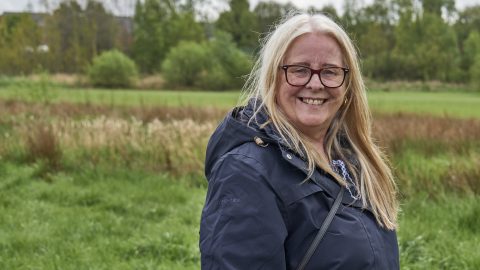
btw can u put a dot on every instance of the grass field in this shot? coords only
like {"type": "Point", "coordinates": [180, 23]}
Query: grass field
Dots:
{"type": "Point", "coordinates": [121, 97]}
{"type": "Point", "coordinates": [454, 104]}
{"type": "Point", "coordinates": [101, 183]}
{"type": "Point", "coordinates": [451, 104]}
{"type": "Point", "coordinates": [97, 219]}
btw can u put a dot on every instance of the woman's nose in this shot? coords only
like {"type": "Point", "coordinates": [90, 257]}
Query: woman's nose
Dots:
{"type": "Point", "coordinates": [315, 82]}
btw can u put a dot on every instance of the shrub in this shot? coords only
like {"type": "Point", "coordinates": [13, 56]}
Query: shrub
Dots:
{"type": "Point", "coordinates": [215, 65]}
{"type": "Point", "coordinates": [471, 47]}
{"type": "Point", "coordinates": [112, 69]}
{"type": "Point", "coordinates": [215, 78]}
{"type": "Point", "coordinates": [231, 61]}
{"type": "Point", "coordinates": [185, 64]}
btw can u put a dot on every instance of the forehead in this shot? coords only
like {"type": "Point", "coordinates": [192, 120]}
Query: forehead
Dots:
{"type": "Point", "coordinates": [314, 49]}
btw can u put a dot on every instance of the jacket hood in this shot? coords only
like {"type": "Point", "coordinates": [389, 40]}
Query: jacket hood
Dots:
{"type": "Point", "coordinates": [235, 130]}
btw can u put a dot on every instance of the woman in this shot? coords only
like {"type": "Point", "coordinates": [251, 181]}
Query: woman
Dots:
{"type": "Point", "coordinates": [276, 166]}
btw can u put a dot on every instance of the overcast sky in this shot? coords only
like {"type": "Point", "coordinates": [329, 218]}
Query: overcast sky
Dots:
{"type": "Point", "coordinates": [127, 5]}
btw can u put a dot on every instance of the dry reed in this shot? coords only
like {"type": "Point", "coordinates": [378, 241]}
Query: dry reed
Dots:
{"type": "Point", "coordinates": [427, 152]}
{"type": "Point", "coordinates": [174, 146]}
{"type": "Point", "coordinates": [70, 110]}
{"type": "Point", "coordinates": [389, 129]}
{"type": "Point", "coordinates": [432, 154]}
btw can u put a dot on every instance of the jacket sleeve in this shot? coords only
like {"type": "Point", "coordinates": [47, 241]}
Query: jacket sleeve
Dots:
{"type": "Point", "coordinates": [242, 225]}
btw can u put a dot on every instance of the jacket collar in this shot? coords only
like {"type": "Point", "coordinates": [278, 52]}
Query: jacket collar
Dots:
{"type": "Point", "coordinates": [320, 178]}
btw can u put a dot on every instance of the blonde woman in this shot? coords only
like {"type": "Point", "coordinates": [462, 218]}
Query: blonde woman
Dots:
{"type": "Point", "coordinates": [295, 180]}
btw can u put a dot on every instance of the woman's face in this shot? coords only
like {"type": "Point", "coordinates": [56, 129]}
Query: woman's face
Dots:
{"type": "Point", "coordinates": [311, 108]}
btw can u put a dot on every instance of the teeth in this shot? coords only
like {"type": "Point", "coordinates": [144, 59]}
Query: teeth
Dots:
{"type": "Point", "coordinates": [313, 101]}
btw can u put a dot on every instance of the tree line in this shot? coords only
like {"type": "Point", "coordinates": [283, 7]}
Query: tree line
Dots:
{"type": "Point", "coordinates": [396, 39]}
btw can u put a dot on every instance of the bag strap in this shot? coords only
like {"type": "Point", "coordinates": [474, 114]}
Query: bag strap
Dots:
{"type": "Point", "coordinates": [322, 231]}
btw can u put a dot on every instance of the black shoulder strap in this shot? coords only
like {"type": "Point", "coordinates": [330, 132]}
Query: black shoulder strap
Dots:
{"type": "Point", "coordinates": [321, 232]}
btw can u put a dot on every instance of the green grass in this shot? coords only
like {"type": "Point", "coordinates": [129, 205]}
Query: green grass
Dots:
{"type": "Point", "coordinates": [120, 219]}
{"type": "Point", "coordinates": [440, 234]}
{"type": "Point", "coordinates": [454, 104]}
{"type": "Point", "coordinates": [118, 97]}
{"type": "Point", "coordinates": [127, 219]}
{"type": "Point", "coordinates": [462, 104]}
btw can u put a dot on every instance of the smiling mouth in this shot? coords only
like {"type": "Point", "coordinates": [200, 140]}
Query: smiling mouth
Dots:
{"type": "Point", "coordinates": [312, 101]}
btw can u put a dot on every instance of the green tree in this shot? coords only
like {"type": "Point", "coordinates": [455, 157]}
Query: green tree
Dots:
{"type": "Point", "coordinates": [475, 72]}
{"type": "Point", "coordinates": [102, 27]}
{"type": "Point", "coordinates": [182, 26]}
{"type": "Point", "coordinates": [426, 47]}
{"type": "Point", "coordinates": [375, 50]}
{"type": "Point", "coordinates": [241, 23]}
{"type": "Point", "coordinates": [468, 21]}
{"type": "Point", "coordinates": [331, 12]}
{"type": "Point", "coordinates": [352, 18]}
{"type": "Point", "coordinates": [148, 44]}
{"type": "Point", "coordinates": [471, 48]}
{"type": "Point", "coordinates": [230, 62]}
{"type": "Point", "coordinates": [402, 7]}
{"type": "Point", "coordinates": [160, 25]}
{"type": "Point", "coordinates": [19, 41]}
{"type": "Point", "coordinates": [269, 13]}
{"type": "Point", "coordinates": [437, 53]}
{"type": "Point", "coordinates": [372, 29]}
{"type": "Point", "coordinates": [436, 6]}
{"type": "Point", "coordinates": [71, 38]}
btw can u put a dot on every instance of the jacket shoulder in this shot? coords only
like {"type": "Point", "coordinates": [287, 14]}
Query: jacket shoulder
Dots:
{"type": "Point", "coordinates": [286, 180]}
{"type": "Point", "coordinates": [248, 153]}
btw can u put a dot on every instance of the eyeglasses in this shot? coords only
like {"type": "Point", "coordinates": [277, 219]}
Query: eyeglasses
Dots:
{"type": "Point", "coordinates": [331, 77]}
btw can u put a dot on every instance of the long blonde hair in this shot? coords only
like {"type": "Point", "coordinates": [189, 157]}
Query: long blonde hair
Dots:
{"type": "Point", "coordinates": [352, 122]}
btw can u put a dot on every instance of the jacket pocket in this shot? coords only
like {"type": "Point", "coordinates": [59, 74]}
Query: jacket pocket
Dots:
{"type": "Point", "coordinates": [347, 242]}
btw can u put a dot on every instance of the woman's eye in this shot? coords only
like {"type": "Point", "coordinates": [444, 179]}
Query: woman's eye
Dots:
{"type": "Point", "coordinates": [329, 72]}
{"type": "Point", "coordinates": [300, 70]}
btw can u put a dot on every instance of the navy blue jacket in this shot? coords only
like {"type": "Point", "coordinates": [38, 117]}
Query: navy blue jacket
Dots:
{"type": "Point", "coordinates": [259, 215]}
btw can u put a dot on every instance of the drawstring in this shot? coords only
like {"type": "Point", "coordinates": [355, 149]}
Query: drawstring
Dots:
{"type": "Point", "coordinates": [339, 167]}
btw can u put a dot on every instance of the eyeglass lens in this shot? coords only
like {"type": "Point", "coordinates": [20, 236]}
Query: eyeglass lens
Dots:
{"type": "Point", "coordinates": [330, 77]}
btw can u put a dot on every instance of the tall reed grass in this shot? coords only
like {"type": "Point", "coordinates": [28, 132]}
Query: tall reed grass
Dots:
{"type": "Point", "coordinates": [430, 155]}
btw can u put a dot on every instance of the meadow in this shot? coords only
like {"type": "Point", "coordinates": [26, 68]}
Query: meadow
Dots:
{"type": "Point", "coordinates": [432, 99]}
{"type": "Point", "coordinates": [107, 179]}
